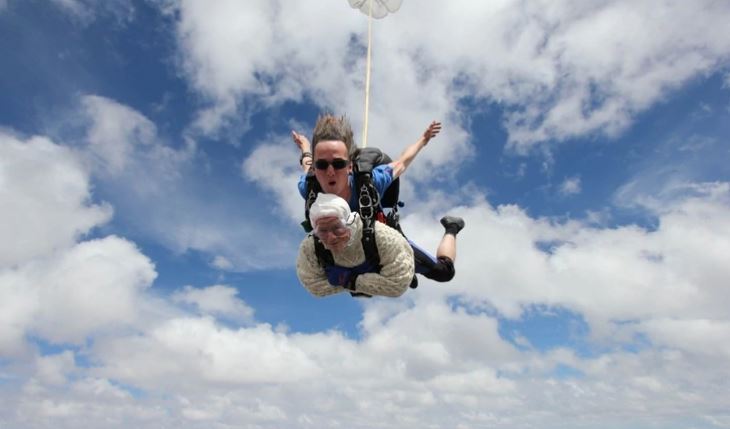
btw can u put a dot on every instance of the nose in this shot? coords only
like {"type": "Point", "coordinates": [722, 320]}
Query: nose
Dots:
{"type": "Point", "coordinates": [330, 170]}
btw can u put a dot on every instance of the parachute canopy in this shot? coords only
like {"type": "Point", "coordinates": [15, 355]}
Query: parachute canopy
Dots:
{"type": "Point", "coordinates": [381, 8]}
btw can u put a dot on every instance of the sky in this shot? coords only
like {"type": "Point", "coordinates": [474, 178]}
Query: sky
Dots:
{"type": "Point", "coordinates": [150, 218]}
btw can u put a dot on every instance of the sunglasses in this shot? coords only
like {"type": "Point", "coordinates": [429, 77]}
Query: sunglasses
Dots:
{"type": "Point", "coordinates": [337, 164]}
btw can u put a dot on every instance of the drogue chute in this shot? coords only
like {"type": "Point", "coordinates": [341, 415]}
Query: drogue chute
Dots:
{"type": "Point", "coordinates": [380, 8]}
{"type": "Point", "coordinates": [373, 9]}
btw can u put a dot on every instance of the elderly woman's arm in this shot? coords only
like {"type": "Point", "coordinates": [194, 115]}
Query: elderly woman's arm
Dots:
{"type": "Point", "coordinates": [311, 274]}
{"type": "Point", "coordinates": [397, 265]}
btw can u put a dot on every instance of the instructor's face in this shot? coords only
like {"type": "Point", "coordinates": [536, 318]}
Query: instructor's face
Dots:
{"type": "Point", "coordinates": [328, 156]}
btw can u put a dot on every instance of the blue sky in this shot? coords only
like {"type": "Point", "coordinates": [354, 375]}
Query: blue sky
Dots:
{"type": "Point", "coordinates": [150, 216]}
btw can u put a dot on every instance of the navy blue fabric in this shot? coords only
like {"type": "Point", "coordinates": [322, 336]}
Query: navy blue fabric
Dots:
{"type": "Point", "coordinates": [340, 276]}
{"type": "Point", "coordinates": [439, 269]}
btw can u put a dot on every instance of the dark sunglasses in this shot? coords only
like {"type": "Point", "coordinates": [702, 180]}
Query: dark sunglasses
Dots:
{"type": "Point", "coordinates": [337, 164]}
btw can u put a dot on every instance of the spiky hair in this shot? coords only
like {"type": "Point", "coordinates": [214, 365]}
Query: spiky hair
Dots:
{"type": "Point", "coordinates": [331, 127]}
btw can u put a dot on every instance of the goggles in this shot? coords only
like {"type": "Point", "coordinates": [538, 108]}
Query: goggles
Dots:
{"type": "Point", "coordinates": [338, 229]}
{"type": "Point", "coordinates": [337, 164]}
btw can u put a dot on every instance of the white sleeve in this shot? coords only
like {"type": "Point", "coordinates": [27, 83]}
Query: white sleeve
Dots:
{"type": "Point", "coordinates": [311, 274]}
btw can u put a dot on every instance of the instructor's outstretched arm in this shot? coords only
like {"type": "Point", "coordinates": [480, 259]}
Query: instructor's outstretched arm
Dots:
{"type": "Point", "coordinates": [408, 155]}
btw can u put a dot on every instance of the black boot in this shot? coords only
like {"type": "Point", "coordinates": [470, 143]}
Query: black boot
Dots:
{"type": "Point", "coordinates": [452, 224]}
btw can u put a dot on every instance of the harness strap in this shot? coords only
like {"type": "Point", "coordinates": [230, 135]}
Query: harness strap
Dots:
{"type": "Point", "coordinates": [324, 256]}
{"type": "Point", "coordinates": [313, 188]}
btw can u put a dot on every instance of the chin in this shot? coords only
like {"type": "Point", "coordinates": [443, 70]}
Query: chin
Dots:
{"type": "Point", "coordinates": [338, 247]}
{"type": "Point", "coordinates": [337, 190]}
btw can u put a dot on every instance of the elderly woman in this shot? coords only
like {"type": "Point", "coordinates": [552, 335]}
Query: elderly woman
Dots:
{"type": "Point", "coordinates": [340, 231]}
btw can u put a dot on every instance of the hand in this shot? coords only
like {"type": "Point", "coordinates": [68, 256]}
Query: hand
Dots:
{"type": "Point", "coordinates": [432, 131]}
{"type": "Point", "coordinates": [301, 141]}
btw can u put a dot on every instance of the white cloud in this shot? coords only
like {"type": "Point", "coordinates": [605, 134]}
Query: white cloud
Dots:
{"type": "Point", "coordinates": [565, 69]}
{"type": "Point", "coordinates": [705, 337]}
{"type": "Point", "coordinates": [115, 132]}
{"type": "Point", "coordinates": [98, 282]}
{"type": "Point", "coordinates": [222, 263]}
{"type": "Point", "coordinates": [412, 366]}
{"type": "Point", "coordinates": [634, 273]}
{"type": "Point", "coordinates": [46, 275]}
{"type": "Point", "coordinates": [285, 63]}
{"type": "Point", "coordinates": [123, 144]}
{"type": "Point", "coordinates": [438, 349]}
{"type": "Point", "coordinates": [570, 186]}
{"type": "Point", "coordinates": [169, 188]}
{"type": "Point", "coordinates": [191, 351]}
{"type": "Point", "coordinates": [46, 199]}
{"type": "Point", "coordinates": [54, 369]}
{"type": "Point", "coordinates": [217, 300]}
{"type": "Point", "coordinates": [271, 169]}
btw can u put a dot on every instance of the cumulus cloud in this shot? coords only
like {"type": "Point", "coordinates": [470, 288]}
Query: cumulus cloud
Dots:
{"type": "Point", "coordinates": [417, 357]}
{"type": "Point", "coordinates": [115, 132]}
{"type": "Point", "coordinates": [46, 199]}
{"type": "Point", "coordinates": [440, 346]}
{"type": "Point", "coordinates": [167, 185]}
{"type": "Point", "coordinates": [563, 69]}
{"type": "Point", "coordinates": [276, 174]}
{"type": "Point", "coordinates": [48, 275]}
{"type": "Point", "coordinates": [508, 261]}
{"type": "Point", "coordinates": [218, 300]}
{"type": "Point", "coordinates": [123, 144]}
{"type": "Point", "coordinates": [98, 281]}
{"type": "Point", "coordinates": [325, 64]}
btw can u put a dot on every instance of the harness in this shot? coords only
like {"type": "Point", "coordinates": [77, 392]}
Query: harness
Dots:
{"type": "Point", "coordinates": [370, 208]}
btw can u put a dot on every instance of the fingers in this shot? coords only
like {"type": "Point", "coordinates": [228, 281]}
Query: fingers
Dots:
{"type": "Point", "coordinates": [299, 140]}
{"type": "Point", "coordinates": [434, 129]}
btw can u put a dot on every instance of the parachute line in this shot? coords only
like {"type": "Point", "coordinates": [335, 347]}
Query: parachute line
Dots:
{"type": "Point", "coordinates": [367, 75]}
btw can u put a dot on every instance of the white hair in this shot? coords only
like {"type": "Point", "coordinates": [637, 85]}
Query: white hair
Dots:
{"type": "Point", "coordinates": [330, 205]}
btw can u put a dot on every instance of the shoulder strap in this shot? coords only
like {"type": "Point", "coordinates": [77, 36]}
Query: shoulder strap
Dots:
{"type": "Point", "coordinates": [365, 160]}
{"type": "Point", "coordinates": [370, 246]}
{"type": "Point", "coordinates": [313, 188]}
{"type": "Point", "coordinates": [324, 256]}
